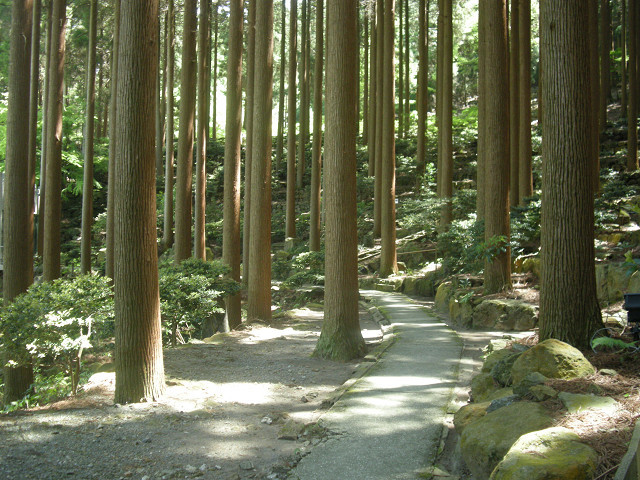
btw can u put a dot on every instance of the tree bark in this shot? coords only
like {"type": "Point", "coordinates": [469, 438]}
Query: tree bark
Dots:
{"type": "Point", "coordinates": [482, 97]}
{"type": "Point", "coordinates": [401, 119]}
{"type": "Point", "coordinates": [632, 108]}
{"type": "Point", "coordinates": [53, 207]}
{"type": "Point", "coordinates": [186, 133]}
{"type": "Point", "coordinates": [569, 309]}
{"type": "Point", "coordinates": [259, 287]}
{"type": "Point", "coordinates": [377, 200]}
{"type": "Point", "coordinates": [34, 81]}
{"type": "Point", "coordinates": [497, 270]}
{"type": "Point", "coordinates": [525, 184]}
{"type": "Point", "coordinates": [365, 93]}
{"type": "Point", "coordinates": [514, 99]}
{"type": "Point", "coordinates": [214, 95]}
{"type": "Point", "coordinates": [167, 233]}
{"type": "Point", "coordinates": [423, 89]}
{"type": "Point", "coordinates": [304, 93]}
{"type": "Point", "coordinates": [407, 65]}
{"type": "Point", "coordinates": [623, 60]}
{"type": "Point", "coordinates": [373, 56]}
{"type": "Point", "coordinates": [340, 338]}
{"type": "Point", "coordinates": [594, 171]}
{"type": "Point", "coordinates": [89, 130]}
{"type": "Point", "coordinates": [18, 270]}
{"type": "Point", "coordinates": [232, 160]}
{"type": "Point", "coordinates": [446, 125]}
{"type": "Point", "coordinates": [203, 126]}
{"type": "Point", "coordinates": [316, 163]}
{"type": "Point", "coordinates": [291, 123]}
{"type": "Point", "coordinates": [605, 60]}
{"type": "Point", "coordinates": [138, 350]}
{"type": "Point", "coordinates": [283, 52]}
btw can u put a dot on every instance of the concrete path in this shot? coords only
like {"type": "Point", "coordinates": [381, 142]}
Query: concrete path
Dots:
{"type": "Point", "coordinates": [390, 422]}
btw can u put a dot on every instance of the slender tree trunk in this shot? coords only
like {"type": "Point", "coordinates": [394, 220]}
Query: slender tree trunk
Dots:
{"type": "Point", "coordinates": [17, 259]}
{"type": "Point", "coordinates": [482, 102]}
{"type": "Point", "coordinates": [89, 130]}
{"type": "Point", "coordinates": [304, 89]}
{"type": "Point", "coordinates": [138, 351]}
{"type": "Point", "coordinates": [248, 169]}
{"type": "Point", "coordinates": [594, 172]}
{"type": "Point", "coordinates": [316, 165]}
{"type": "Point", "coordinates": [214, 109]}
{"type": "Point", "coordinates": [439, 90]}
{"type": "Point", "coordinates": [365, 94]}
{"type": "Point", "coordinates": [605, 60]}
{"type": "Point", "coordinates": [341, 338]}
{"type": "Point", "coordinates": [388, 255]}
{"type": "Point", "coordinates": [632, 109]}
{"type": "Point", "coordinates": [401, 119]}
{"type": "Point", "coordinates": [291, 123]}
{"type": "Point", "coordinates": [377, 201]}
{"type": "Point", "coordinates": [158, 115]}
{"type": "Point", "coordinates": [514, 99]}
{"type": "Point", "coordinates": [203, 123]}
{"type": "Point", "coordinates": [569, 309]}
{"type": "Point", "coordinates": [183, 214]}
{"type": "Point", "coordinates": [407, 65]}
{"type": "Point", "coordinates": [233, 129]}
{"type": "Point", "coordinates": [445, 131]}
{"type": "Point", "coordinates": [53, 202]}
{"type": "Point", "coordinates": [423, 90]}
{"type": "Point", "coordinates": [525, 184]}
{"type": "Point", "coordinates": [623, 60]}
{"type": "Point", "coordinates": [259, 288]}
{"type": "Point", "coordinates": [113, 140]}
{"type": "Point", "coordinates": [283, 52]}
{"type": "Point", "coordinates": [167, 233]}
{"type": "Point", "coordinates": [373, 98]}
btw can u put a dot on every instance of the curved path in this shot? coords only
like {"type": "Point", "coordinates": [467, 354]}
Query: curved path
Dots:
{"type": "Point", "coordinates": [389, 423]}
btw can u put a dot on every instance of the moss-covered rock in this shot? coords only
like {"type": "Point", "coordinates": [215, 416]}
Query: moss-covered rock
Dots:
{"type": "Point", "coordinates": [485, 441]}
{"type": "Point", "coordinates": [494, 357]}
{"type": "Point", "coordinates": [501, 371]}
{"type": "Point", "coordinates": [505, 315]}
{"type": "Point", "coordinates": [553, 359]}
{"type": "Point", "coordinates": [550, 453]}
{"type": "Point", "coordinates": [469, 413]}
{"type": "Point", "coordinates": [443, 295]}
{"type": "Point", "coordinates": [482, 386]}
{"type": "Point", "coordinates": [461, 312]}
{"type": "Point", "coordinates": [575, 403]}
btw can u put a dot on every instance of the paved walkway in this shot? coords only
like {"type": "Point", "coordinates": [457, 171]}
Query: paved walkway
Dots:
{"type": "Point", "coordinates": [390, 421]}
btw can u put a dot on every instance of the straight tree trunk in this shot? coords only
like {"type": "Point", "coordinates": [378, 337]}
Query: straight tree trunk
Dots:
{"type": "Point", "coordinates": [341, 338]}
{"type": "Point", "coordinates": [291, 123]}
{"type": "Point", "coordinates": [423, 90]}
{"type": "Point", "coordinates": [214, 109]}
{"type": "Point", "coordinates": [377, 201]}
{"type": "Point", "coordinates": [446, 126]}
{"type": "Point", "coordinates": [439, 91]}
{"type": "Point", "coordinates": [388, 254]}
{"type": "Point", "coordinates": [373, 52]}
{"type": "Point", "coordinates": [569, 309]}
{"type": "Point", "coordinates": [365, 94]}
{"type": "Point", "coordinates": [605, 60]}
{"type": "Point", "coordinates": [304, 91]}
{"type": "Point", "coordinates": [623, 60]}
{"type": "Point", "coordinates": [158, 115]}
{"type": "Point", "coordinates": [514, 99]}
{"type": "Point", "coordinates": [17, 259]}
{"type": "Point", "coordinates": [632, 109]}
{"type": "Point", "coordinates": [138, 336]}
{"type": "Point", "coordinates": [283, 52]}
{"type": "Point", "coordinates": [186, 135]}
{"type": "Point", "coordinates": [316, 163]}
{"type": "Point", "coordinates": [53, 201]}
{"type": "Point", "coordinates": [497, 270]}
{"type": "Point", "coordinates": [407, 65]}
{"type": "Point", "coordinates": [259, 287]}
{"type": "Point", "coordinates": [167, 233]}
{"type": "Point", "coordinates": [401, 119]}
{"type": "Point", "coordinates": [525, 184]}
{"type": "Point", "coordinates": [232, 160]}
{"type": "Point", "coordinates": [203, 126]}
{"type": "Point", "coordinates": [113, 140]}
{"type": "Point", "coordinates": [594, 171]}
{"type": "Point", "coordinates": [89, 130]}
{"type": "Point", "coordinates": [482, 102]}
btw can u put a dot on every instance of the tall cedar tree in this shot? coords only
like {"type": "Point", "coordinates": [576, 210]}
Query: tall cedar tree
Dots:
{"type": "Point", "coordinates": [377, 185]}
{"type": "Point", "coordinates": [203, 127]}
{"type": "Point", "coordinates": [259, 286]}
{"type": "Point", "coordinates": [388, 255]}
{"type": "Point", "coordinates": [445, 139]}
{"type": "Point", "coordinates": [632, 108]}
{"type": "Point", "coordinates": [401, 119]}
{"type": "Point", "coordinates": [186, 133]}
{"type": "Point", "coordinates": [365, 93]}
{"type": "Point", "coordinates": [138, 336]}
{"type": "Point", "coordinates": [316, 159]}
{"type": "Point", "coordinates": [291, 123]}
{"type": "Point", "coordinates": [89, 131]}
{"type": "Point", "coordinates": [569, 309]}
{"type": "Point", "coordinates": [594, 65]}
{"type": "Point", "coordinates": [283, 64]}
{"type": "Point", "coordinates": [304, 92]}
{"type": "Point", "coordinates": [214, 93]}
{"type": "Point", "coordinates": [407, 56]}
{"type": "Point", "coordinates": [167, 231]}
{"type": "Point", "coordinates": [233, 128]}
{"type": "Point", "coordinates": [480, 169]}
{"type": "Point", "coordinates": [605, 60]}
{"type": "Point", "coordinates": [525, 183]}
{"type": "Point", "coordinates": [514, 98]}
{"type": "Point", "coordinates": [497, 273]}
{"type": "Point", "coordinates": [340, 338]}
{"type": "Point", "coordinates": [422, 91]}
{"type": "Point", "coordinates": [113, 140]}
{"type": "Point", "coordinates": [17, 260]}
{"type": "Point", "coordinates": [623, 56]}
{"type": "Point", "coordinates": [158, 111]}
{"type": "Point", "coordinates": [53, 201]}
{"type": "Point", "coordinates": [373, 80]}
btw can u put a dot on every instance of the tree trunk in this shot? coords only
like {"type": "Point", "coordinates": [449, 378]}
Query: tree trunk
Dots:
{"type": "Point", "coordinates": [304, 92]}
{"type": "Point", "coordinates": [594, 171]}
{"type": "Point", "coordinates": [316, 164]}
{"type": "Point", "coordinates": [423, 90]}
{"type": "Point", "coordinates": [446, 125]}
{"type": "Point", "coordinates": [365, 93]}
{"type": "Point", "coordinates": [341, 338]}
{"type": "Point", "coordinates": [605, 60]}
{"type": "Point", "coordinates": [497, 270]}
{"type": "Point", "coordinates": [632, 109]}
{"type": "Point", "coordinates": [259, 287]}
{"type": "Point", "coordinates": [203, 124]}
{"type": "Point", "coordinates": [377, 201]}
{"type": "Point", "coordinates": [186, 133]}
{"type": "Point", "coordinates": [514, 99]}
{"type": "Point", "coordinates": [138, 336]}
{"type": "Point", "coordinates": [53, 202]}
{"type": "Point", "coordinates": [525, 184]}
{"type": "Point", "coordinates": [158, 114]}
{"type": "Point", "coordinates": [283, 52]}
{"type": "Point", "coordinates": [388, 255]}
{"type": "Point", "coordinates": [214, 109]}
{"type": "Point", "coordinates": [89, 130]}
{"type": "Point", "coordinates": [407, 82]}
{"type": "Point", "coordinates": [291, 123]}
{"type": "Point", "coordinates": [167, 233]}
{"type": "Point", "coordinates": [401, 119]}
{"type": "Point", "coordinates": [623, 59]}
{"type": "Point", "coordinates": [18, 270]}
{"type": "Point", "coordinates": [113, 140]}
{"type": "Point", "coordinates": [482, 101]}
{"type": "Point", "coordinates": [232, 161]}
{"type": "Point", "coordinates": [569, 309]}
{"type": "Point", "coordinates": [373, 98]}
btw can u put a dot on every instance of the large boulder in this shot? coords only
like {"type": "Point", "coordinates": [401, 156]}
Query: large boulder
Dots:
{"type": "Point", "coordinates": [505, 315]}
{"type": "Point", "coordinates": [461, 311]}
{"type": "Point", "coordinates": [482, 386]}
{"type": "Point", "coordinates": [501, 371]}
{"type": "Point", "coordinates": [553, 359]}
{"type": "Point", "coordinates": [551, 453]}
{"type": "Point", "coordinates": [494, 357]}
{"type": "Point", "coordinates": [468, 414]}
{"type": "Point", "coordinates": [443, 295]}
{"type": "Point", "coordinates": [486, 441]}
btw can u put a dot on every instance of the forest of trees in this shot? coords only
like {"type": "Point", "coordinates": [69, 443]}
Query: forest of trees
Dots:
{"type": "Point", "coordinates": [107, 107]}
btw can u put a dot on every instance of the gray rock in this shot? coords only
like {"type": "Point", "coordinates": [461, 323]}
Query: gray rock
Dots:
{"type": "Point", "coordinates": [574, 402]}
{"type": "Point", "coordinates": [531, 380]}
{"type": "Point", "coordinates": [501, 371]}
{"type": "Point", "coordinates": [503, 402]}
{"type": "Point", "coordinates": [482, 386]}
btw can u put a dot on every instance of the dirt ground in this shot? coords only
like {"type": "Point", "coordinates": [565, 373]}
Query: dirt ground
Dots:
{"type": "Point", "coordinates": [235, 408]}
